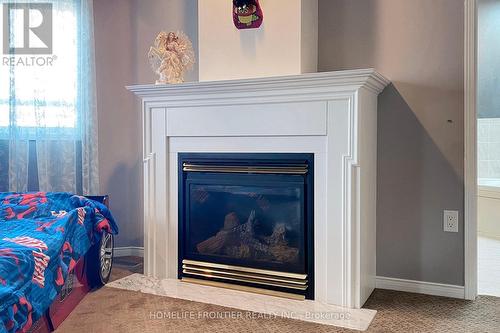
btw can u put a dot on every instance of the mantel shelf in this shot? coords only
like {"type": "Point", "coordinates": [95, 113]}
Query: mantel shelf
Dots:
{"type": "Point", "coordinates": [338, 80]}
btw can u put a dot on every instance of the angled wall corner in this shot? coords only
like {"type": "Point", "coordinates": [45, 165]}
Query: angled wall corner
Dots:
{"type": "Point", "coordinates": [419, 45]}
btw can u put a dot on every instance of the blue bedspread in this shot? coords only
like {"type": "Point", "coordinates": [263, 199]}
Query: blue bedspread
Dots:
{"type": "Point", "coordinates": [42, 236]}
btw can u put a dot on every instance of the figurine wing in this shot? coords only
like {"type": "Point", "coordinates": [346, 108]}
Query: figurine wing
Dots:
{"type": "Point", "coordinates": [185, 49]}
{"type": "Point", "coordinates": [154, 58]}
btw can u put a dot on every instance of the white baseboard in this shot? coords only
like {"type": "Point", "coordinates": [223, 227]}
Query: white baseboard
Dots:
{"type": "Point", "coordinates": [420, 287]}
{"type": "Point", "coordinates": [126, 251]}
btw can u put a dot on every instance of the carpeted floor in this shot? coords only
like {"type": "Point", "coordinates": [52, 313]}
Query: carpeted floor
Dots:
{"type": "Point", "coordinates": [115, 310]}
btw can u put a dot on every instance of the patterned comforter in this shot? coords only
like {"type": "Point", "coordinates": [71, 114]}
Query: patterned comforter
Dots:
{"type": "Point", "coordinates": [42, 236]}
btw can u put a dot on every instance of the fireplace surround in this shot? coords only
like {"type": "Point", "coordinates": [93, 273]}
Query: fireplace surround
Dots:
{"type": "Point", "coordinates": [332, 116]}
{"type": "Point", "coordinates": [247, 220]}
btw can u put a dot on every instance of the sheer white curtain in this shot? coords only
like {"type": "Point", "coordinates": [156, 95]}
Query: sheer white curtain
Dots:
{"type": "Point", "coordinates": [48, 120]}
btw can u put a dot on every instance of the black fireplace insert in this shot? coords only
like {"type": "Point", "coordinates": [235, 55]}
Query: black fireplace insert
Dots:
{"type": "Point", "coordinates": [247, 220]}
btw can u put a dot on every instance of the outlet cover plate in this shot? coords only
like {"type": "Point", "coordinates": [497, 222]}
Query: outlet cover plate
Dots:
{"type": "Point", "coordinates": [450, 220]}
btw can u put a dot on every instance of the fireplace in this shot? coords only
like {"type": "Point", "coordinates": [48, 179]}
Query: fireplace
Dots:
{"type": "Point", "coordinates": [331, 115]}
{"type": "Point", "coordinates": [246, 221]}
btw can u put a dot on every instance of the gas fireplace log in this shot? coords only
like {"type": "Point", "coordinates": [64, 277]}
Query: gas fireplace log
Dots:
{"type": "Point", "coordinates": [239, 241]}
{"type": "Point", "coordinates": [213, 245]}
{"type": "Point", "coordinates": [230, 234]}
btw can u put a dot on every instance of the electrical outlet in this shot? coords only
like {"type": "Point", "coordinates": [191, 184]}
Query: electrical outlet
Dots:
{"type": "Point", "coordinates": [450, 220]}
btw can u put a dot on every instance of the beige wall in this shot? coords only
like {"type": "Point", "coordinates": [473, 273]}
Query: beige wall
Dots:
{"type": "Point", "coordinates": [124, 30]}
{"type": "Point", "coordinates": [419, 46]}
{"type": "Point", "coordinates": [285, 44]}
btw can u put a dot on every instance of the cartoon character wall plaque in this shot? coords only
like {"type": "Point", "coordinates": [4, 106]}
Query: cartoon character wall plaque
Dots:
{"type": "Point", "coordinates": [247, 14]}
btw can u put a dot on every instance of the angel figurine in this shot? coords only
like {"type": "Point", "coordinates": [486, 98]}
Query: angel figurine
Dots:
{"type": "Point", "coordinates": [171, 56]}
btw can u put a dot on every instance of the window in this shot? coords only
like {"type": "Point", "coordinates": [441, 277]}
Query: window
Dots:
{"type": "Point", "coordinates": [48, 120]}
{"type": "Point", "coordinates": [38, 93]}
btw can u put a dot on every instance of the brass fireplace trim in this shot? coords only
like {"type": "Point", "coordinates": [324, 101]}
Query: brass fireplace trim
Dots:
{"type": "Point", "coordinates": [295, 169]}
{"type": "Point", "coordinates": [245, 274]}
{"type": "Point", "coordinates": [244, 269]}
{"type": "Point", "coordinates": [202, 270]}
{"type": "Point", "coordinates": [244, 288]}
{"type": "Point", "coordinates": [247, 280]}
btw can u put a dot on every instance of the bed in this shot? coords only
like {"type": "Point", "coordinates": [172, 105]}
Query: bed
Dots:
{"type": "Point", "coordinates": [54, 248]}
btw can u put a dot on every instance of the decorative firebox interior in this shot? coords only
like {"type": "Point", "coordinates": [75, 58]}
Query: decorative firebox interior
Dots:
{"type": "Point", "coordinates": [247, 220]}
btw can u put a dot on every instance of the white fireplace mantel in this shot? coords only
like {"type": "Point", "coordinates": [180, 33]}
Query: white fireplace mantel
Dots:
{"type": "Point", "coordinates": [333, 115]}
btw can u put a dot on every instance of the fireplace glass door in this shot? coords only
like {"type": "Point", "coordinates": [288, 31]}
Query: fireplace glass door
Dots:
{"type": "Point", "coordinates": [246, 220]}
